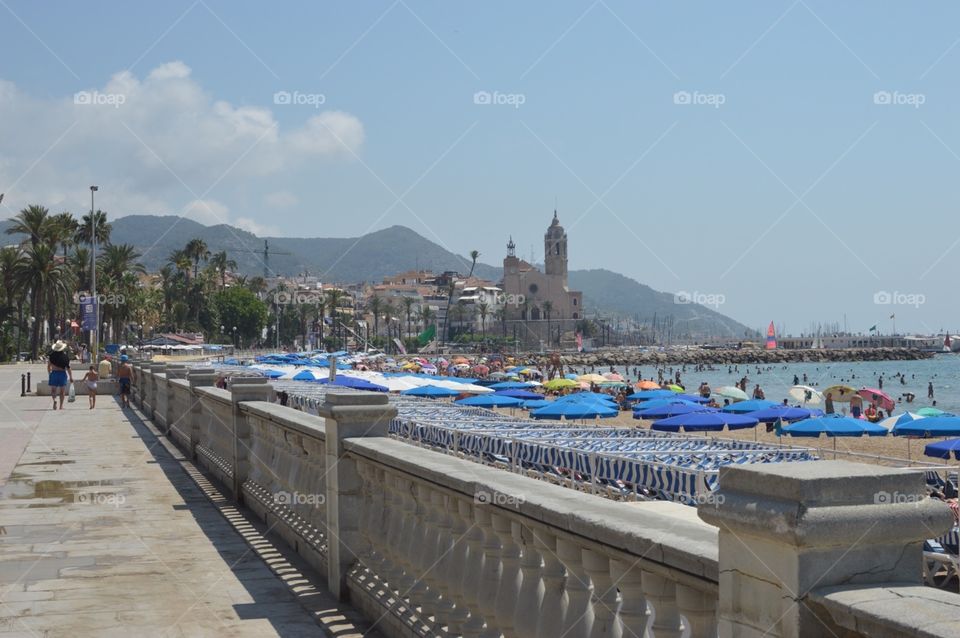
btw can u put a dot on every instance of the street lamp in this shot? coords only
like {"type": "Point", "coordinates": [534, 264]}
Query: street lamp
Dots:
{"type": "Point", "coordinates": [234, 336]}
{"type": "Point", "coordinates": [94, 346]}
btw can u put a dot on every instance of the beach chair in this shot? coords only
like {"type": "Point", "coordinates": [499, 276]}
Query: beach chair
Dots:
{"type": "Point", "coordinates": [939, 566]}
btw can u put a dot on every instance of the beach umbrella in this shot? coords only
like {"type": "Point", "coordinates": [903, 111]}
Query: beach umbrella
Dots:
{"type": "Point", "coordinates": [730, 392]}
{"type": "Point", "coordinates": [613, 376]}
{"type": "Point", "coordinates": [570, 376]}
{"type": "Point", "coordinates": [646, 385]}
{"type": "Point", "coordinates": [704, 422]}
{"type": "Point", "coordinates": [498, 375]}
{"type": "Point", "coordinates": [834, 425]}
{"type": "Point", "coordinates": [491, 401]}
{"type": "Point", "coordinates": [575, 410]}
{"type": "Point", "coordinates": [646, 395]}
{"type": "Point", "coordinates": [879, 397]}
{"type": "Point", "coordinates": [927, 427]}
{"type": "Point", "coordinates": [943, 449]}
{"type": "Point", "coordinates": [805, 394]}
{"type": "Point", "coordinates": [659, 403]}
{"type": "Point", "coordinates": [693, 398]}
{"type": "Point", "coordinates": [667, 411]}
{"type": "Point", "coordinates": [519, 394]}
{"type": "Point", "coordinates": [432, 391]}
{"type": "Point", "coordinates": [931, 412]}
{"type": "Point", "coordinates": [780, 413]}
{"type": "Point", "coordinates": [511, 385]}
{"type": "Point", "coordinates": [906, 417]}
{"type": "Point", "coordinates": [744, 407]}
{"type": "Point", "coordinates": [560, 384]}
{"type": "Point", "coordinates": [840, 393]}
{"type": "Point", "coordinates": [355, 383]}
{"type": "Point", "coordinates": [305, 375]}
{"type": "Point", "coordinates": [536, 403]}
{"type": "Point", "coordinates": [591, 378]}
{"type": "Point", "coordinates": [272, 374]}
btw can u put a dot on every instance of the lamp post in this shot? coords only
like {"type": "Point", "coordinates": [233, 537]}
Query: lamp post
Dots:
{"type": "Point", "coordinates": [234, 336]}
{"type": "Point", "coordinates": [94, 345]}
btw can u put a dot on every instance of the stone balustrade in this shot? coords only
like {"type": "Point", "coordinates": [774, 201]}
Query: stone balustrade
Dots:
{"type": "Point", "coordinates": [429, 544]}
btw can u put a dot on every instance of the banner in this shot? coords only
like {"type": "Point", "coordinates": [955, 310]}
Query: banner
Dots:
{"type": "Point", "coordinates": [88, 313]}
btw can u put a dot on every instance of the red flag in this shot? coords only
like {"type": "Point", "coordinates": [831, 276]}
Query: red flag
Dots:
{"type": "Point", "coordinates": [771, 338]}
{"type": "Point", "coordinates": [579, 342]}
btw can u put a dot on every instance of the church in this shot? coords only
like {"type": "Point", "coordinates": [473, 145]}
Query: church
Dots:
{"type": "Point", "coordinates": [545, 294]}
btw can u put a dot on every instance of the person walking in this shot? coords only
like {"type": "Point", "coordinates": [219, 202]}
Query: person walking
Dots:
{"type": "Point", "coordinates": [930, 390]}
{"type": "Point", "coordinates": [90, 379]}
{"type": "Point", "coordinates": [58, 371]}
{"type": "Point", "coordinates": [125, 376]}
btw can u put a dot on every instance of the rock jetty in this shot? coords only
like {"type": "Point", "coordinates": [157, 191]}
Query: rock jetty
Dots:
{"type": "Point", "coordinates": [694, 356]}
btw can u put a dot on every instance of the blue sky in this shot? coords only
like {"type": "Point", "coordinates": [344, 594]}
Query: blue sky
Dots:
{"type": "Point", "coordinates": [795, 160]}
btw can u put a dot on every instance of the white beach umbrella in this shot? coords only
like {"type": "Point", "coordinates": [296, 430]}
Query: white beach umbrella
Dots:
{"type": "Point", "coordinates": [806, 394]}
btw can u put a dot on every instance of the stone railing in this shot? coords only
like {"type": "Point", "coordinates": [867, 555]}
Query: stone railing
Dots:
{"type": "Point", "coordinates": [429, 544]}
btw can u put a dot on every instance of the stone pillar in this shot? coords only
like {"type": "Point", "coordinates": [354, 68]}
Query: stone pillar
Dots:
{"type": "Point", "coordinates": [171, 416]}
{"type": "Point", "coordinates": [789, 528]}
{"type": "Point", "coordinates": [347, 415]}
{"type": "Point", "coordinates": [197, 378]}
{"type": "Point", "coordinates": [155, 369]}
{"type": "Point", "coordinates": [240, 392]}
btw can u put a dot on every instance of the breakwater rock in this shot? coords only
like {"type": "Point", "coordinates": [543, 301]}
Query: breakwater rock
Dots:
{"type": "Point", "coordinates": [694, 356]}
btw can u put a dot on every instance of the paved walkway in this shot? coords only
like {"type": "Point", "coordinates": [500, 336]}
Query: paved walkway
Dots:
{"type": "Point", "coordinates": [104, 531]}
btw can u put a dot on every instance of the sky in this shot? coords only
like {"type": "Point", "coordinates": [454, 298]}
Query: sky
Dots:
{"type": "Point", "coordinates": [786, 161]}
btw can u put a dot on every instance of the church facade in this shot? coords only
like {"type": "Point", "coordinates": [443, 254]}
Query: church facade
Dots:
{"type": "Point", "coordinates": [533, 295]}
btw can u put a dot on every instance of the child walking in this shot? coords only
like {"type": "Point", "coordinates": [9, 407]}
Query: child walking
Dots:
{"type": "Point", "coordinates": [91, 378]}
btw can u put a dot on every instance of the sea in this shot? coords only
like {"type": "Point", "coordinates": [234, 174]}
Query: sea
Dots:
{"type": "Point", "coordinates": [943, 370]}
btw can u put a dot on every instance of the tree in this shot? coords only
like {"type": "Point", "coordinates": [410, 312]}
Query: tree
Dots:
{"type": "Point", "coordinates": [239, 307]}
{"type": "Point", "coordinates": [120, 268]}
{"type": "Point", "coordinates": [483, 309]}
{"type": "Point", "coordinates": [375, 308]}
{"type": "Point", "coordinates": [474, 256]}
{"type": "Point", "coordinates": [49, 282]}
{"type": "Point", "coordinates": [64, 230]}
{"type": "Point", "coordinates": [102, 229]}
{"type": "Point", "coordinates": [221, 264]}
{"type": "Point", "coordinates": [33, 221]}
{"type": "Point", "coordinates": [196, 249]}
{"type": "Point", "coordinates": [408, 309]}
{"type": "Point", "coordinates": [334, 298]}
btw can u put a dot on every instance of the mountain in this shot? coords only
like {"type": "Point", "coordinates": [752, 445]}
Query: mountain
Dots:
{"type": "Point", "coordinates": [386, 252]}
{"type": "Point", "coordinates": [612, 293]}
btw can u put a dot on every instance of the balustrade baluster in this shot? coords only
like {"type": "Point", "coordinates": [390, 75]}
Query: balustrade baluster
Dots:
{"type": "Point", "coordinates": [579, 618]}
{"type": "Point", "coordinates": [699, 609]}
{"type": "Point", "coordinates": [443, 552]}
{"type": "Point", "coordinates": [662, 594]}
{"type": "Point", "coordinates": [473, 574]}
{"type": "Point", "coordinates": [634, 611]}
{"type": "Point", "coordinates": [509, 589]}
{"type": "Point", "coordinates": [425, 555]}
{"type": "Point", "coordinates": [606, 599]}
{"type": "Point", "coordinates": [553, 610]}
{"type": "Point", "coordinates": [530, 597]}
{"type": "Point", "coordinates": [490, 576]}
{"type": "Point", "coordinates": [459, 557]}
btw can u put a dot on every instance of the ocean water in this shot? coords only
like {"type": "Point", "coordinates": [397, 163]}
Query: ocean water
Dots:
{"type": "Point", "coordinates": [943, 371]}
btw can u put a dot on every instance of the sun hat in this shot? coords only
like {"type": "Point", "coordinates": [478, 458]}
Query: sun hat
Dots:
{"type": "Point", "coordinates": [59, 346]}
{"type": "Point", "coordinates": [123, 357]}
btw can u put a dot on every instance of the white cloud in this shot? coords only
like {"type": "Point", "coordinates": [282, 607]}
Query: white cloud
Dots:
{"type": "Point", "coordinates": [156, 144]}
{"type": "Point", "coordinates": [281, 199]}
{"type": "Point", "coordinates": [206, 211]}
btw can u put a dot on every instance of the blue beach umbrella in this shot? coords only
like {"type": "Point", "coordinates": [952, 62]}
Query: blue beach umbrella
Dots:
{"type": "Point", "coordinates": [490, 401]}
{"type": "Point", "coordinates": [432, 391]}
{"type": "Point", "coordinates": [519, 394]}
{"type": "Point", "coordinates": [781, 413]}
{"type": "Point", "coordinates": [646, 395]}
{"type": "Point", "coordinates": [927, 427]}
{"type": "Point", "coordinates": [834, 425]}
{"type": "Point", "coordinates": [272, 374]}
{"type": "Point", "coordinates": [671, 410]}
{"type": "Point", "coordinates": [704, 422]}
{"type": "Point", "coordinates": [743, 407]}
{"type": "Point", "coordinates": [943, 449]}
{"type": "Point", "coordinates": [575, 410]}
{"type": "Point", "coordinates": [511, 385]}
{"type": "Point", "coordinates": [305, 375]}
{"type": "Point", "coordinates": [578, 397]}
{"type": "Point", "coordinates": [355, 383]}
{"type": "Point", "coordinates": [659, 403]}
{"type": "Point", "coordinates": [694, 398]}
{"type": "Point", "coordinates": [536, 403]}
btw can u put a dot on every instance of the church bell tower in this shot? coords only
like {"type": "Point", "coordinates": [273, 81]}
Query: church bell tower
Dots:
{"type": "Point", "coordinates": [555, 249]}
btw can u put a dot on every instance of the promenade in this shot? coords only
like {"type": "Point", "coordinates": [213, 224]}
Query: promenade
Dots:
{"type": "Point", "coordinates": [105, 530]}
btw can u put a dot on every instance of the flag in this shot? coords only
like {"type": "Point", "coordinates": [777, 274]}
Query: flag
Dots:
{"type": "Point", "coordinates": [771, 338]}
{"type": "Point", "coordinates": [579, 342]}
{"type": "Point", "coordinates": [873, 327]}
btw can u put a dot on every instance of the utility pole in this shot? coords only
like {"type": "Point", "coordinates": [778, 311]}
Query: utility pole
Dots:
{"type": "Point", "coordinates": [94, 336]}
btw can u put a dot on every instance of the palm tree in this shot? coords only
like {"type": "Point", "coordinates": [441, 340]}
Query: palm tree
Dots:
{"type": "Point", "coordinates": [64, 229]}
{"type": "Point", "coordinates": [461, 310]}
{"type": "Point", "coordinates": [500, 314]}
{"type": "Point", "coordinates": [196, 249]}
{"type": "Point", "coordinates": [474, 255]}
{"type": "Point", "coordinates": [84, 232]}
{"type": "Point", "coordinates": [49, 281]}
{"type": "Point", "coordinates": [13, 293]}
{"type": "Point", "coordinates": [388, 311]}
{"type": "Point", "coordinates": [408, 309]}
{"type": "Point", "coordinates": [33, 221]}
{"type": "Point", "coordinates": [79, 263]}
{"type": "Point", "coordinates": [483, 309]}
{"type": "Point", "coordinates": [120, 268]}
{"type": "Point", "coordinates": [181, 261]}
{"type": "Point", "coordinates": [334, 297]}
{"type": "Point", "coordinates": [375, 308]}
{"type": "Point", "coordinates": [425, 316]}
{"type": "Point", "coordinates": [221, 264]}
